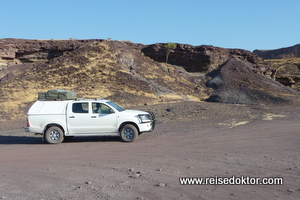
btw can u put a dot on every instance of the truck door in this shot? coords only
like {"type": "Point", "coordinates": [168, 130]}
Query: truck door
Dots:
{"type": "Point", "coordinates": [103, 119]}
{"type": "Point", "coordinates": [78, 117]}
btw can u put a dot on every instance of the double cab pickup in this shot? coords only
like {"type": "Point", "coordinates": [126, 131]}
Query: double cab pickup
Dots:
{"type": "Point", "coordinates": [57, 120]}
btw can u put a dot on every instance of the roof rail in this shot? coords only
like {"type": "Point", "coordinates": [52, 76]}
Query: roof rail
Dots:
{"type": "Point", "coordinates": [80, 99]}
{"type": "Point", "coordinates": [99, 98]}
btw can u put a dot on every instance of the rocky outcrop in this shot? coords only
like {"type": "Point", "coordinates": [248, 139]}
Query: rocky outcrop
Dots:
{"type": "Point", "coordinates": [204, 58]}
{"type": "Point", "coordinates": [37, 50]}
{"type": "Point", "coordinates": [288, 52]}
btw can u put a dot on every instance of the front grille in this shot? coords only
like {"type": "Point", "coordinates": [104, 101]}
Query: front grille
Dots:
{"type": "Point", "coordinates": [152, 115]}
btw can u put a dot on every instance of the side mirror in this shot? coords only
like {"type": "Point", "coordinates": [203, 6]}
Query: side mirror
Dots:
{"type": "Point", "coordinates": [111, 111]}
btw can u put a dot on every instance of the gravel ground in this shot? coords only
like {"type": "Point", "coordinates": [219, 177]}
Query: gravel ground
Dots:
{"type": "Point", "coordinates": [191, 139]}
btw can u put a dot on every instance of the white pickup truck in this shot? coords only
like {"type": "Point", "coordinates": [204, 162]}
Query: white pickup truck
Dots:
{"type": "Point", "coordinates": [56, 120]}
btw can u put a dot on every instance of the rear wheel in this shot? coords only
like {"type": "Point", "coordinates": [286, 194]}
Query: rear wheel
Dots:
{"type": "Point", "coordinates": [129, 133]}
{"type": "Point", "coordinates": [54, 135]}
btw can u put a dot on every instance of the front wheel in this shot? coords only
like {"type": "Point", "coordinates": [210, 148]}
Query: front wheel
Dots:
{"type": "Point", "coordinates": [54, 135]}
{"type": "Point", "coordinates": [129, 133]}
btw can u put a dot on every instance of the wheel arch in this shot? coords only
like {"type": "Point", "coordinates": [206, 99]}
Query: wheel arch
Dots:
{"type": "Point", "coordinates": [53, 124]}
{"type": "Point", "coordinates": [132, 123]}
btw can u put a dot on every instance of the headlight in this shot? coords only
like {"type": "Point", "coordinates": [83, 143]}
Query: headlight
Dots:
{"type": "Point", "coordinates": [145, 118]}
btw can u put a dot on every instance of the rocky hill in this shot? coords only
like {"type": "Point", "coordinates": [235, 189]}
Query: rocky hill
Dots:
{"type": "Point", "coordinates": [288, 52]}
{"type": "Point", "coordinates": [93, 68]}
{"type": "Point", "coordinates": [132, 74]}
{"type": "Point", "coordinates": [203, 58]}
{"type": "Point", "coordinates": [286, 62]}
{"type": "Point", "coordinates": [236, 75]}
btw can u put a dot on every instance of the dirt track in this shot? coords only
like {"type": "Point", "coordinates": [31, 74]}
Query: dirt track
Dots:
{"type": "Point", "coordinates": [257, 142]}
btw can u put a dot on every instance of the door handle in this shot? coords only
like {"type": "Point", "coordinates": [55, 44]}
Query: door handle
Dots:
{"type": "Point", "coordinates": [72, 116]}
{"type": "Point", "coordinates": [93, 116]}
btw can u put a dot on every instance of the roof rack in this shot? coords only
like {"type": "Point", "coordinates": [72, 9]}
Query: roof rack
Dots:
{"type": "Point", "coordinates": [96, 99]}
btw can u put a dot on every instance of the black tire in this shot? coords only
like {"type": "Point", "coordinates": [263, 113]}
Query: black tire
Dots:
{"type": "Point", "coordinates": [54, 135]}
{"type": "Point", "coordinates": [129, 133]}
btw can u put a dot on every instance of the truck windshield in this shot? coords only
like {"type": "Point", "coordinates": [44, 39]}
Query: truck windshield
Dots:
{"type": "Point", "coordinates": [118, 108]}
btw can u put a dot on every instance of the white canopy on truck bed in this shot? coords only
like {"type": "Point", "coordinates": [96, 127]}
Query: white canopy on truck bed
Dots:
{"type": "Point", "coordinates": [48, 107]}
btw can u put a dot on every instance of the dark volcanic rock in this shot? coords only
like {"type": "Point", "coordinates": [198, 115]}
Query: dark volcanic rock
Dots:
{"type": "Point", "coordinates": [203, 58]}
{"type": "Point", "coordinates": [288, 52]}
{"type": "Point", "coordinates": [245, 96]}
{"type": "Point", "coordinates": [235, 82]}
{"type": "Point", "coordinates": [29, 50]}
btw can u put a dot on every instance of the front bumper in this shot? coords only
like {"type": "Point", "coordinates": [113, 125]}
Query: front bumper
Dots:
{"type": "Point", "coordinates": [152, 123]}
{"type": "Point", "coordinates": [147, 127]}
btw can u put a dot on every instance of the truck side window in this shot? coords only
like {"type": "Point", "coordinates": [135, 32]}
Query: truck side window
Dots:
{"type": "Point", "coordinates": [101, 108]}
{"type": "Point", "coordinates": [80, 108]}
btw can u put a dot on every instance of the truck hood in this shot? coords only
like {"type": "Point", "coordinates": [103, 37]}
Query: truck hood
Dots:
{"type": "Point", "coordinates": [134, 112]}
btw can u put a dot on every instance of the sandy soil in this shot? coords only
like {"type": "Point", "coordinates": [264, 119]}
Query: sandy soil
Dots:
{"type": "Point", "coordinates": [204, 140]}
